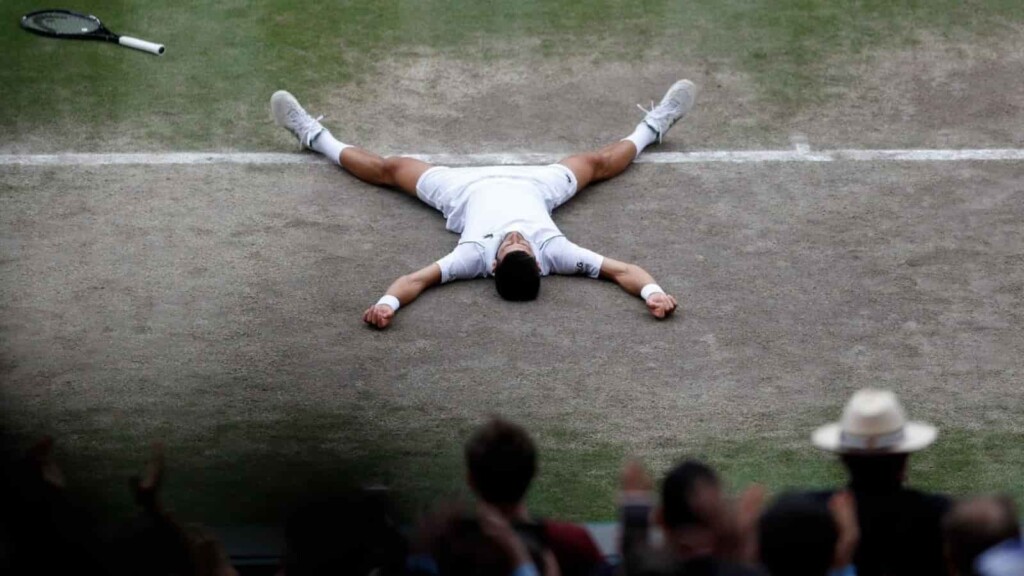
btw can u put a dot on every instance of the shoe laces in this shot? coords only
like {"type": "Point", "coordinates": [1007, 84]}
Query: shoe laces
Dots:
{"type": "Point", "coordinates": [652, 113]}
{"type": "Point", "coordinates": [304, 123]}
{"type": "Point", "coordinates": [645, 110]}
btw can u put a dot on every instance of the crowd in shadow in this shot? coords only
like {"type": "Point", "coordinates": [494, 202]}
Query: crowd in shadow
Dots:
{"type": "Point", "coordinates": [689, 524]}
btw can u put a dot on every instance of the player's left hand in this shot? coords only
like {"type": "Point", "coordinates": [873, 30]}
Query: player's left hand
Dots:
{"type": "Point", "coordinates": [661, 305]}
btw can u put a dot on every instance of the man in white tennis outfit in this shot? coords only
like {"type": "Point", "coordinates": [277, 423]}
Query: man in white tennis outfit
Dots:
{"type": "Point", "coordinates": [503, 213]}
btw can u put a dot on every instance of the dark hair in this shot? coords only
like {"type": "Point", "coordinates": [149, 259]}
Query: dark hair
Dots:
{"type": "Point", "coordinates": [516, 277]}
{"type": "Point", "coordinates": [678, 507]}
{"type": "Point", "coordinates": [974, 526]}
{"type": "Point", "coordinates": [876, 472]}
{"type": "Point", "coordinates": [797, 536]}
{"type": "Point", "coordinates": [502, 460]}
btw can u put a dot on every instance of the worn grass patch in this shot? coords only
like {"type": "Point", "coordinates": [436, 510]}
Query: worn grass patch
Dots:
{"type": "Point", "coordinates": [224, 58]}
{"type": "Point", "coordinates": [798, 51]}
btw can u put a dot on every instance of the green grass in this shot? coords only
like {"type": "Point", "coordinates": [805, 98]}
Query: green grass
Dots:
{"type": "Point", "coordinates": [244, 472]}
{"type": "Point", "coordinates": [797, 49]}
{"type": "Point", "coordinates": [224, 58]}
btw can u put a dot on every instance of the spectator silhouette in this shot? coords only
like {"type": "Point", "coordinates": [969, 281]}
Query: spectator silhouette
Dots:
{"type": "Point", "coordinates": [803, 536]}
{"type": "Point", "coordinates": [45, 530]}
{"type": "Point", "coordinates": [155, 543]}
{"type": "Point", "coordinates": [976, 525]}
{"type": "Point", "coordinates": [501, 461]}
{"type": "Point", "coordinates": [452, 541]}
{"type": "Point", "coordinates": [900, 531]}
{"type": "Point", "coordinates": [352, 533]}
{"type": "Point", "coordinates": [705, 534]}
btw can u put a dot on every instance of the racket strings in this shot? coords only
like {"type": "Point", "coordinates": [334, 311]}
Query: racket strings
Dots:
{"type": "Point", "coordinates": [59, 23]}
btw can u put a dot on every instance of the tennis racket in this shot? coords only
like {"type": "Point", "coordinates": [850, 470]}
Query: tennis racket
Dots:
{"type": "Point", "coordinates": [68, 24]}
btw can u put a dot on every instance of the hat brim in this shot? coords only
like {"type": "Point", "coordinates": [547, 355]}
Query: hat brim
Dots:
{"type": "Point", "coordinates": [916, 436]}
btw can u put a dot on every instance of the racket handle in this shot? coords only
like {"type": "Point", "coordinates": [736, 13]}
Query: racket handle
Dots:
{"type": "Point", "coordinates": [141, 45]}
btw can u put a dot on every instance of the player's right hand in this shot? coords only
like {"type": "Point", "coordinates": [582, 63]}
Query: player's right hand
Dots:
{"type": "Point", "coordinates": [661, 305]}
{"type": "Point", "coordinates": [379, 315]}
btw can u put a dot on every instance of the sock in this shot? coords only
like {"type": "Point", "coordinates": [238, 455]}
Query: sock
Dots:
{"type": "Point", "coordinates": [641, 137]}
{"type": "Point", "coordinates": [327, 145]}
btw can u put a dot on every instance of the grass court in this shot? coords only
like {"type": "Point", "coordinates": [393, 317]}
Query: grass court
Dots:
{"type": "Point", "coordinates": [217, 307]}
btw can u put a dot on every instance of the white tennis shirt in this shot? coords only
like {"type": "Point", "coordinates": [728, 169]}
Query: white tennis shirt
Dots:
{"type": "Point", "coordinates": [485, 204]}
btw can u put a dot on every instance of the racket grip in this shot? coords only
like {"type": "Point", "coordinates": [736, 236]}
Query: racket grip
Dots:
{"type": "Point", "coordinates": [141, 45]}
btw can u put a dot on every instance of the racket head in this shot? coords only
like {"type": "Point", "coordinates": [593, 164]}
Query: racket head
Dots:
{"type": "Point", "coordinates": [66, 24]}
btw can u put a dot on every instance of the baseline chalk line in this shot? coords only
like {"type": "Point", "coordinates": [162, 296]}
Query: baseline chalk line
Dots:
{"type": "Point", "coordinates": [801, 153]}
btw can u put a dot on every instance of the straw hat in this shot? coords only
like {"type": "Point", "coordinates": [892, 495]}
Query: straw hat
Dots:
{"type": "Point", "coordinates": [873, 422]}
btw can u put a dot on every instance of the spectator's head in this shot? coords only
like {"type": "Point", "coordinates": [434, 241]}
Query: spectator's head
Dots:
{"type": "Point", "coordinates": [516, 273]}
{"type": "Point", "coordinates": [797, 536]}
{"type": "Point", "coordinates": [693, 510]}
{"type": "Point", "coordinates": [973, 526]}
{"type": "Point", "coordinates": [501, 460]}
{"type": "Point", "coordinates": [874, 439]}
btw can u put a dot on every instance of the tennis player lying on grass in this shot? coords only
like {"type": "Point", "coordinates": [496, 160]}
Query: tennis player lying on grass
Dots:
{"type": "Point", "coordinates": [502, 212]}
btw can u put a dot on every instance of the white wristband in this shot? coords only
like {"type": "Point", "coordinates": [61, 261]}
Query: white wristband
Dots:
{"type": "Point", "coordinates": [647, 291]}
{"type": "Point", "coordinates": [389, 300]}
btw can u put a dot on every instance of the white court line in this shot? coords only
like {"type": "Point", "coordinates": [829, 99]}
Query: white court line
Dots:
{"type": "Point", "coordinates": [802, 153]}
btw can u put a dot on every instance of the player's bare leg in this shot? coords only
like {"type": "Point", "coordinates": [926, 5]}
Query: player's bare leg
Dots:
{"type": "Point", "coordinates": [396, 172]}
{"type": "Point", "coordinates": [613, 159]}
{"type": "Point", "coordinates": [608, 162]}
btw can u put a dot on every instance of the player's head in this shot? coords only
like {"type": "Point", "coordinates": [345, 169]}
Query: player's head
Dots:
{"type": "Point", "coordinates": [501, 461]}
{"type": "Point", "coordinates": [516, 273]}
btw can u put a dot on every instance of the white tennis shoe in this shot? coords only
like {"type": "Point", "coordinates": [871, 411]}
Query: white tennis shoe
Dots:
{"type": "Point", "coordinates": [676, 103]}
{"type": "Point", "coordinates": [289, 114]}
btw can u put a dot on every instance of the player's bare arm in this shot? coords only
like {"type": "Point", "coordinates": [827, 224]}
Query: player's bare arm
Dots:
{"type": "Point", "coordinates": [639, 282]}
{"type": "Point", "coordinates": [404, 290]}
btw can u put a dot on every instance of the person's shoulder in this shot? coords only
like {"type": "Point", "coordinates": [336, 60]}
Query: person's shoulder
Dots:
{"type": "Point", "coordinates": [564, 529]}
{"type": "Point", "coordinates": [819, 495]}
{"type": "Point", "coordinates": [727, 568]}
{"type": "Point", "coordinates": [935, 501]}
{"type": "Point", "coordinates": [559, 255]}
{"type": "Point", "coordinates": [570, 537]}
{"type": "Point", "coordinates": [467, 260]}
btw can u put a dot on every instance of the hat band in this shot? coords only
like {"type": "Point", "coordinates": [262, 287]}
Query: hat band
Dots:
{"type": "Point", "coordinates": [873, 442]}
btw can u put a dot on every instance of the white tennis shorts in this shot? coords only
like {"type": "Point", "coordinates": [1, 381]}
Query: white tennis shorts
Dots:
{"type": "Point", "coordinates": [446, 188]}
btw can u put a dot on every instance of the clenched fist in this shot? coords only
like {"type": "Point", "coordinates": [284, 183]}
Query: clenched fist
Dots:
{"type": "Point", "coordinates": [661, 305]}
{"type": "Point", "coordinates": [379, 315]}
